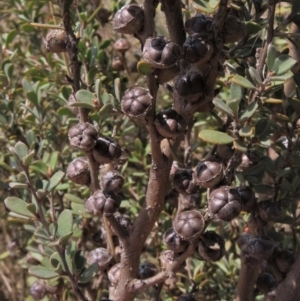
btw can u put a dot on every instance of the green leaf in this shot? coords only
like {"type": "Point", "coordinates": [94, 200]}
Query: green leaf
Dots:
{"type": "Point", "coordinates": [41, 233]}
{"type": "Point", "coordinates": [55, 180]}
{"type": "Point", "coordinates": [271, 56]}
{"type": "Point", "coordinates": [89, 273]}
{"type": "Point", "coordinates": [215, 137]}
{"type": "Point", "coordinates": [98, 88]}
{"type": "Point", "coordinates": [32, 208]}
{"type": "Point", "coordinates": [236, 91]}
{"type": "Point", "coordinates": [78, 261]}
{"type": "Point", "coordinates": [17, 185]}
{"type": "Point", "coordinates": [283, 64]}
{"type": "Point", "coordinates": [18, 206]}
{"type": "Point", "coordinates": [10, 37]}
{"type": "Point", "coordinates": [234, 105]}
{"type": "Point", "coordinates": [243, 82]}
{"type": "Point", "coordinates": [65, 222]}
{"type": "Point", "coordinates": [73, 198]}
{"type": "Point", "coordinates": [21, 150]}
{"type": "Point", "coordinates": [28, 158]}
{"type": "Point", "coordinates": [252, 28]}
{"type": "Point", "coordinates": [249, 111]}
{"type": "Point", "coordinates": [202, 6]}
{"type": "Point", "coordinates": [42, 272]}
{"type": "Point", "coordinates": [144, 68]}
{"type": "Point", "coordinates": [117, 86]}
{"type": "Point", "coordinates": [261, 126]}
{"type": "Point", "coordinates": [246, 131]}
{"type": "Point", "coordinates": [256, 77]}
{"type": "Point", "coordinates": [105, 111]}
{"type": "Point", "coordinates": [84, 99]}
{"type": "Point", "coordinates": [239, 145]}
{"type": "Point", "coordinates": [219, 103]}
{"type": "Point", "coordinates": [63, 241]}
{"type": "Point", "coordinates": [32, 97]}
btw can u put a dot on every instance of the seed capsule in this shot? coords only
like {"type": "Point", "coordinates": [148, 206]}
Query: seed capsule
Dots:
{"type": "Point", "coordinates": [189, 224]}
{"type": "Point", "coordinates": [225, 203]}
{"type": "Point", "coordinates": [197, 49]}
{"type": "Point", "coordinates": [211, 246]}
{"type": "Point", "coordinates": [100, 256]}
{"type": "Point", "coordinates": [160, 52]}
{"type": "Point", "coordinates": [136, 101]}
{"type": "Point", "coordinates": [208, 174]}
{"type": "Point", "coordinates": [183, 181]}
{"type": "Point", "coordinates": [174, 242]}
{"type": "Point", "coordinates": [83, 136]}
{"type": "Point", "coordinates": [169, 123]}
{"type": "Point", "coordinates": [201, 24]}
{"type": "Point", "coordinates": [56, 41]}
{"type": "Point", "coordinates": [78, 171]}
{"type": "Point", "coordinates": [129, 19]}
{"type": "Point", "coordinates": [147, 270]}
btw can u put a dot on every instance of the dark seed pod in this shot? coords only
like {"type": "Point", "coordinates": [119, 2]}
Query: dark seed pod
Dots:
{"type": "Point", "coordinates": [106, 150]}
{"type": "Point", "coordinates": [78, 171]}
{"type": "Point", "coordinates": [190, 201]}
{"type": "Point", "coordinates": [122, 45]}
{"type": "Point", "coordinates": [112, 181]}
{"type": "Point", "coordinates": [169, 123]}
{"type": "Point", "coordinates": [114, 274]}
{"type": "Point", "coordinates": [83, 136]}
{"type": "Point", "coordinates": [101, 256]}
{"type": "Point", "coordinates": [129, 19]}
{"type": "Point", "coordinates": [74, 110]}
{"type": "Point", "coordinates": [136, 101]}
{"type": "Point", "coordinates": [284, 259]}
{"type": "Point", "coordinates": [160, 52]}
{"type": "Point", "coordinates": [225, 151]}
{"type": "Point", "coordinates": [56, 41]}
{"type": "Point", "coordinates": [225, 203]}
{"type": "Point", "coordinates": [124, 220]}
{"type": "Point", "coordinates": [147, 270]}
{"type": "Point", "coordinates": [174, 242]}
{"type": "Point", "coordinates": [208, 174]}
{"type": "Point", "coordinates": [234, 29]}
{"type": "Point", "coordinates": [259, 248]}
{"type": "Point", "coordinates": [197, 49]}
{"type": "Point", "coordinates": [100, 203]}
{"type": "Point", "coordinates": [38, 290]}
{"type": "Point", "coordinates": [201, 24]}
{"type": "Point", "coordinates": [269, 211]}
{"type": "Point", "coordinates": [211, 246]}
{"type": "Point", "coordinates": [190, 86]}
{"type": "Point", "coordinates": [266, 282]}
{"type": "Point", "coordinates": [183, 181]}
{"type": "Point", "coordinates": [117, 64]}
{"type": "Point", "coordinates": [165, 75]}
{"type": "Point", "coordinates": [189, 224]}
{"type": "Point", "coordinates": [186, 297]}
{"type": "Point", "coordinates": [166, 258]}
{"type": "Point", "coordinates": [247, 197]}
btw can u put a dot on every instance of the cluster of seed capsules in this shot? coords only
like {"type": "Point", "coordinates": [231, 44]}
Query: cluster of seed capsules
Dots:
{"type": "Point", "coordinates": [224, 202]}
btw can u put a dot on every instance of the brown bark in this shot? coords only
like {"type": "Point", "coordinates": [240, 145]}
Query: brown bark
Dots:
{"type": "Point", "coordinates": [247, 279]}
{"type": "Point", "coordinates": [289, 288]}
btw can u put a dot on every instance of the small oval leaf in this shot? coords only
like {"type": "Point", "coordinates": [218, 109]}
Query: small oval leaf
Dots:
{"type": "Point", "coordinates": [215, 137]}
{"type": "Point", "coordinates": [65, 223]}
{"type": "Point", "coordinates": [243, 82]}
{"type": "Point", "coordinates": [18, 206]}
{"type": "Point", "coordinates": [42, 272]}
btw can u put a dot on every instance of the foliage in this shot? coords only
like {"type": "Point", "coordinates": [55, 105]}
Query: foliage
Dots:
{"type": "Point", "coordinates": [247, 120]}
